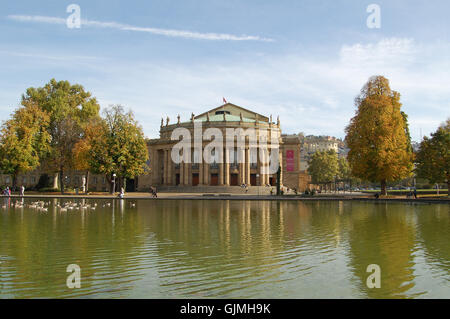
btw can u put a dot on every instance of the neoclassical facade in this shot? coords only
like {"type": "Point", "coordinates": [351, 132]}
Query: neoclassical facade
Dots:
{"type": "Point", "coordinates": [251, 162]}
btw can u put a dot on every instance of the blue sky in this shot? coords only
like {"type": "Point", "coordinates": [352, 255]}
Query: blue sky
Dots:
{"type": "Point", "coordinates": [302, 60]}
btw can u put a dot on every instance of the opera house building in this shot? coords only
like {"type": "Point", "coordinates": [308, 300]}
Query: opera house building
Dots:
{"type": "Point", "coordinates": [228, 149]}
{"type": "Point", "coordinates": [229, 164]}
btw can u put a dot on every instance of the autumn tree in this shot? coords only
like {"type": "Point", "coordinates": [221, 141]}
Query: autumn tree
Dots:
{"type": "Point", "coordinates": [70, 108]}
{"type": "Point", "coordinates": [120, 147]}
{"type": "Point", "coordinates": [377, 135]}
{"type": "Point", "coordinates": [433, 157]}
{"type": "Point", "coordinates": [24, 140]}
{"type": "Point", "coordinates": [323, 167]}
{"type": "Point", "coordinates": [82, 149]}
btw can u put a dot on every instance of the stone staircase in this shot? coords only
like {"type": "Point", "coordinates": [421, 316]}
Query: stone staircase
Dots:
{"type": "Point", "coordinates": [252, 190]}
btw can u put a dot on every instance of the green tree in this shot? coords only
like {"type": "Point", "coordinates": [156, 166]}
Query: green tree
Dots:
{"type": "Point", "coordinates": [24, 140]}
{"type": "Point", "coordinates": [345, 173]}
{"type": "Point", "coordinates": [323, 167]}
{"type": "Point", "coordinates": [377, 136]}
{"type": "Point", "coordinates": [433, 157]}
{"type": "Point", "coordinates": [119, 147]}
{"type": "Point", "coordinates": [70, 108]}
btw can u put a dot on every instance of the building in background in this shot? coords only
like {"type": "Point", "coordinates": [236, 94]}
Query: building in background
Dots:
{"type": "Point", "coordinates": [313, 143]}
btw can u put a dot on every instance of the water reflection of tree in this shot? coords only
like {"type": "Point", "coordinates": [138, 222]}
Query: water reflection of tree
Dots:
{"type": "Point", "coordinates": [433, 225]}
{"type": "Point", "coordinates": [383, 234]}
{"type": "Point", "coordinates": [41, 246]}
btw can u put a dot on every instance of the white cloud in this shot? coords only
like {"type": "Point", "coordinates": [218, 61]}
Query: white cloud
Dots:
{"type": "Point", "coordinates": [310, 94]}
{"type": "Point", "coordinates": [388, 51]}
{"type": "Point", "coordinates": [158, 31]}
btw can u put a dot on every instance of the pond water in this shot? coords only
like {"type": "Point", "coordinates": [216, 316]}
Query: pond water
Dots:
{"type": "Point", "coordinates": [224, 249]}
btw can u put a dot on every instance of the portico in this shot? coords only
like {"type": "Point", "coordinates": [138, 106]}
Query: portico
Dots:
{"type": "Point", "coordinates": [256, 140]}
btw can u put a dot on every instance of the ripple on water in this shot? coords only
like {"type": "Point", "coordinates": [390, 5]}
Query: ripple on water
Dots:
{"type": "Point", "coordinates": [308, 250]}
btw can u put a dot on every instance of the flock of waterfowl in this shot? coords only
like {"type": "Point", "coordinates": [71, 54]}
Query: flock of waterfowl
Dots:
{"type": "Point", "coordinates": [42, 206]}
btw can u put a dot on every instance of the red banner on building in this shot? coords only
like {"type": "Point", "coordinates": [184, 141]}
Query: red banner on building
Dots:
{"type": "Point", "coordinates": [290, 163]}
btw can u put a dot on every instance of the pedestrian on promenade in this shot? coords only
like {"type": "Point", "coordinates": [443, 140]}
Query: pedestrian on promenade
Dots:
{"type": "Point", "coordinates": [153, 192]}
{"type": "Point", "coordinates": [122, 193]}
{"type": "Point", "coordinates": [415, 193]}
{"type": "Point", "coordinates": [22, 190]}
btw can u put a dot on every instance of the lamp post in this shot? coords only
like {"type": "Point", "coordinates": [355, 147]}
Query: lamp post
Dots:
{"type": "Point", "coordinates": [66, 181]}
{"type": "Point", "coordinates": [114, 183]}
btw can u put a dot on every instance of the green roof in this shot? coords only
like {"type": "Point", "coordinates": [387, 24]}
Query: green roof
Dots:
{"type": "Point", "coordinates": [228, 117]}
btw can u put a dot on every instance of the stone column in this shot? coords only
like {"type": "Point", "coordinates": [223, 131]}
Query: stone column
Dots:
{"type": "Point", "coordinates": [200, 173]}
{"type": "Point", "coordinates": [265, 168]}
{"type": "Point", "coordinates": [165, 179]}
{"type": "Point", "coordinates": [182, 173]}
{"type": "Point", "coordinates": [170, 174]}
{"type": "Point", "coordinates": [247, 166]}
{"type": "Point", "coordinates": [221, 173]}
{"type": "Point", "coordinates": [206, 174]}
{"type": "Point", "coordinates": [241, 166]}
{"type": "Point", "coordinates": [227, 167]}
{"type": "Point", "coordinates": [187, 171]}
{"type": "Point", "coordinates": [208, 169]}
{"type": "Point", "coordinates": [280, 159]}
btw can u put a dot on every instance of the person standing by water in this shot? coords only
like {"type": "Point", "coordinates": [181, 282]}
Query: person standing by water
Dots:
{"type": "Point", "coordinates": [22, 191]}
{"type": "Point", "coordinates": [122, 192]}
{"type": "Point", "coordinates": [415, 193]}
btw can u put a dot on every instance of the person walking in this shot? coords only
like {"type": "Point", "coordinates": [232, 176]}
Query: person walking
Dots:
{"type": "Point", "coordinates": [153, 192]}
{"type": "Point", "coordinates": [415, 193]}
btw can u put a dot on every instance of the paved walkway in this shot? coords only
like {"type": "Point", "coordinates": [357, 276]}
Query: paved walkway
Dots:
{"type": "Point", "coordinates": [224, 196]}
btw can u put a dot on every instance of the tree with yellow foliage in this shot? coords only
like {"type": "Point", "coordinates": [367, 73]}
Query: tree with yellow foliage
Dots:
{"type": "Point", "coordinates": [23, 140]}
{"type": "Point", "coordinates": [83, 148]}
{"type": "Point", "coordinates": [377, 135]}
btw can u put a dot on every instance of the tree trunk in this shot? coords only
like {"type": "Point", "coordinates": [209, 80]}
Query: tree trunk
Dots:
{"type": "Point", "coordinates": [14, 182]}
{"type": "Point", "coordinates": [112, 185]}
{"type": "Point", "coordinates": [61, 179]}
{"type": "Point", "coordinates": [383, 188]}
{"type": "Point", "coordinates": [87, 182]}
{"type": "Point", "coordinates": [448, 187]}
